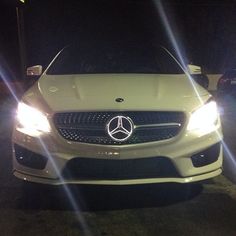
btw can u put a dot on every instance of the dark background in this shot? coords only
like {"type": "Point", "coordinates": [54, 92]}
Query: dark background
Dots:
{"type": "Point", "coordinates": [205, 30]}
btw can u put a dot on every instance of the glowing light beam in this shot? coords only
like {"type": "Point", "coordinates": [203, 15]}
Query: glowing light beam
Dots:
{"type": "Point", "coordinates": [6, 78]}
{"type": "Point", "coordinates": [183, 65]}
{"type": "Point", "coordinates": [170, 33]}
{"type": "Point", "coordinates": [68, 192]}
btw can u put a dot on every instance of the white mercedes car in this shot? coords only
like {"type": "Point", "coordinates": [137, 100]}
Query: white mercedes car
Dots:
{"type": "Point", "coordinates": [116, 117]}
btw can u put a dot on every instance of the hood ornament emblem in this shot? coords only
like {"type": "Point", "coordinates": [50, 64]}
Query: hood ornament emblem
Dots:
{"type": "Point", "coordinates": [120, 128]}
{"type": "Point", "coordinates": [119, 99]}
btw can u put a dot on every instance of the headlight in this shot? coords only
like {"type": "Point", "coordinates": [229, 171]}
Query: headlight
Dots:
{"type": "Point", "coordinates": [204, 119]}
{"type": "Point", "coordinates": [31, 121]}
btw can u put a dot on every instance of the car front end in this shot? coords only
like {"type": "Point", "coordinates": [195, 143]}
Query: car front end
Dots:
{"type": "Point", "coordinates": [139, 139]}
{"type": "Point", "coordinates": [153, 124]}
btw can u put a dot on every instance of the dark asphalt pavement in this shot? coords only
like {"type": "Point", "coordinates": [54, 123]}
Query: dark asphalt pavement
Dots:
{"type": "Point", "coordinates": [158, 209]}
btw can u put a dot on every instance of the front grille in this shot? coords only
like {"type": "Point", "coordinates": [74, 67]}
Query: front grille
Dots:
{"type": "Point", "coordinates": [87, 168]}
{"type": "Point", "coordinates": [90, 127]}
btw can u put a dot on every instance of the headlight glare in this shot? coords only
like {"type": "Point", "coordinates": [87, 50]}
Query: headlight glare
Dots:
{"type": "Point", "coordinates": [204, 119]}
{"type": "Point", "coordinates": [31, 121]}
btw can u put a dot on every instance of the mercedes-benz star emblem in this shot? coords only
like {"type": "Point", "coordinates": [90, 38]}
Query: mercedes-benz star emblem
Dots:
{"type": "Point", "coordinates": [120, 128]}
{"type": "Point", "coordinates": [119, 99]}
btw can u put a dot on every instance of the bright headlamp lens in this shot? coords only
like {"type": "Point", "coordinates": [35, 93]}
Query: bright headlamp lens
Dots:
{"type": "Point", "coordinates": [31, 121]}
{"type": "Point", "coordinates": [205, 118]}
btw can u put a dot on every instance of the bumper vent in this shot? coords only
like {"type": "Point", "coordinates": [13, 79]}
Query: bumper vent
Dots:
{"type": "Point", "coordinates": [90, 168]}
{"type": "Point", "coordinates": [206, 157]}
{"type": "Point", "coordinates": [29, 159]}
{"type": "Point", "coordinates": [90, 127]}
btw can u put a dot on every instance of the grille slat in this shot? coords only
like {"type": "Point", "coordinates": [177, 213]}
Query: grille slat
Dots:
{"type": "Point", "coordinates": [90, 127]}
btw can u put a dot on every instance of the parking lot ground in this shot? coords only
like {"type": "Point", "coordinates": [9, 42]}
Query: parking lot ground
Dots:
{"type": "Point", "coordinates": [208, 208]}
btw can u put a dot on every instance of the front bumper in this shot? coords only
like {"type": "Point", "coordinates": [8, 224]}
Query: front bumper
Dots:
{"type": "Point", "coordinates": [191, 179]}
{"type": "Point", "coordinates": [179, 151]}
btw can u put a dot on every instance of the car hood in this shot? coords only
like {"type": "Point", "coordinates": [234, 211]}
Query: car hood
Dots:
{"type": "Point", "coordinates": [100, 91]}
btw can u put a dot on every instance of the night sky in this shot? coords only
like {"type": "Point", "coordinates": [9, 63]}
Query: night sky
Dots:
{"type": "Point", "coordinates": [205, 30]}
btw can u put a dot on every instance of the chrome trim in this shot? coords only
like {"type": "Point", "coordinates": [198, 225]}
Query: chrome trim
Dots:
{"type": "Point", "coordinates": [162, 125]}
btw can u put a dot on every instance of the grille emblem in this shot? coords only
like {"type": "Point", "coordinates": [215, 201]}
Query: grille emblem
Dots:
{"type": "Point", "coordinates": [120, 128]}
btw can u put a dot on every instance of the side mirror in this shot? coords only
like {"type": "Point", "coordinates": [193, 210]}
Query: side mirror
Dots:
{"type": "Point", "coordinates": [194, 70]}
{"type": "Point", "coordinates": [34, 70]}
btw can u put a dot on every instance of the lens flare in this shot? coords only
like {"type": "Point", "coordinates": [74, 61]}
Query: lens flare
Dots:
{"type": "Point", "coordinates": [4, 75]}
{"type": "Point", "coordinates": [6, 78]}
{"type": "Point", "coordinates": [68, 192]}
{"type": "Point", "coordinates": [182, 62]}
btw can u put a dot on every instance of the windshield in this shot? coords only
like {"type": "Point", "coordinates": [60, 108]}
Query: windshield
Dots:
{"type": "Point", "coordinates": [115, 59]}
